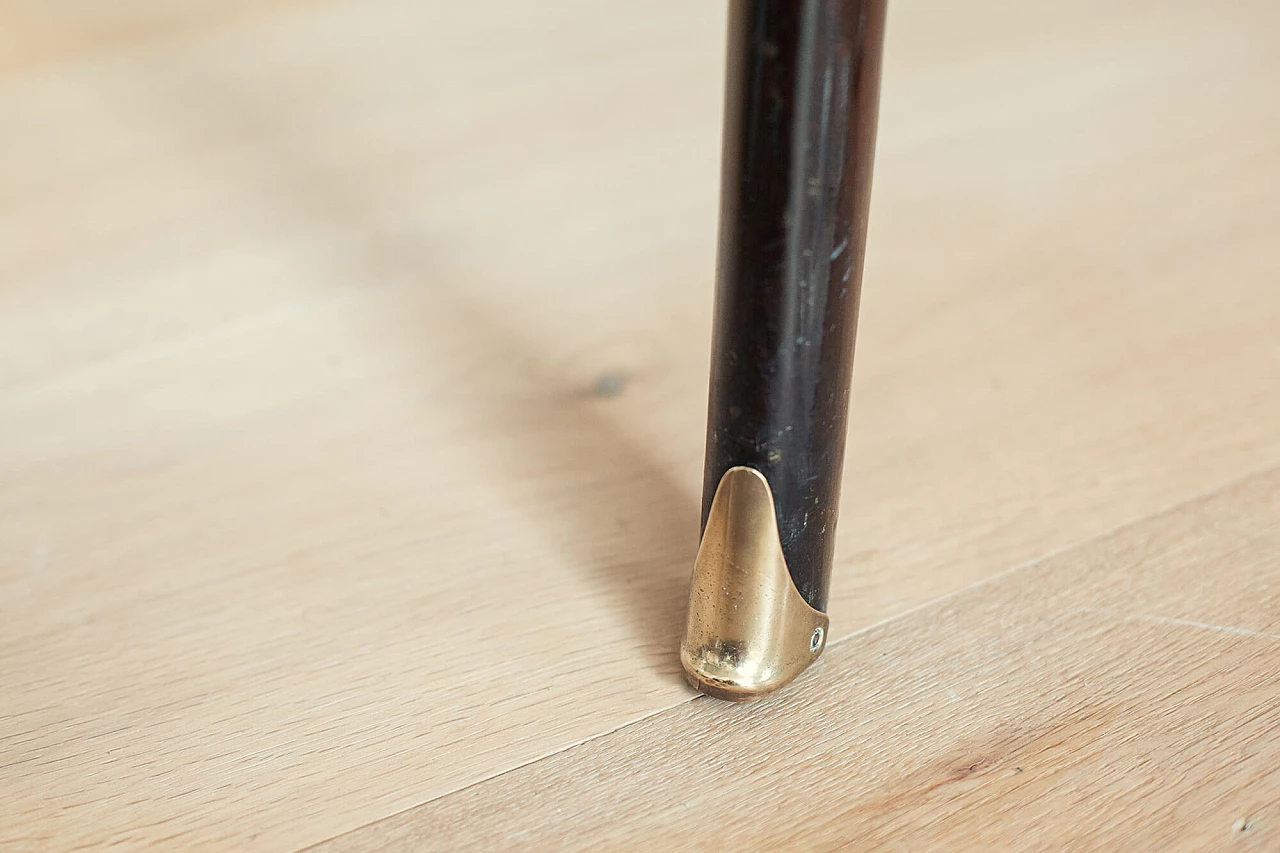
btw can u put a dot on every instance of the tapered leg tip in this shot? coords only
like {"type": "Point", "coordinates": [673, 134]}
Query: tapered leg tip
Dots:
{"type": "Point", "coordinates": [748, 632]}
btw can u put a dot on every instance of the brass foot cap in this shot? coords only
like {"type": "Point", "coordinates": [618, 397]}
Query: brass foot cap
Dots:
{"type": "Point", "coordinates": [748, 631]}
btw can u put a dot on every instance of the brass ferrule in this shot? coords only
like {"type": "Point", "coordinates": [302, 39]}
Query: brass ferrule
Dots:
{"type": "Point", "coordinates": [748, 630]}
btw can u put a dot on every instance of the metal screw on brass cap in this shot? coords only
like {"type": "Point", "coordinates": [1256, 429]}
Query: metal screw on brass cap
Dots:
{"type": "Point", "coordinates": [799, 136]}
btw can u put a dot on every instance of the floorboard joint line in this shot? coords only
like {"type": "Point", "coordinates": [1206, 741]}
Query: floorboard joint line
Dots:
{"type": "Point", "coordinates": [1173, 620]}
{"type": "Point", "coordinates": [1083, 542]}
{"type": "Point", "coordinates": [512, 769]}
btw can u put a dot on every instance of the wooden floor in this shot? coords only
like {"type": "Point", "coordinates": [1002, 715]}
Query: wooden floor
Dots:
{"type": "Point", "coordinates": [352, 387]}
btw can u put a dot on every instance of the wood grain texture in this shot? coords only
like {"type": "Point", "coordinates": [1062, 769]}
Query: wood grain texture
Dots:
{"type": "Point", "coordinates": [309, 509]}
{"type": "Point", "coordinates": [1024, 714]}
{"type": "Point", "coordinates": [40, 33]}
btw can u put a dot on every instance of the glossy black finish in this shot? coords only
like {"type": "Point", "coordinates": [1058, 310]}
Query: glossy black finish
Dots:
{"type": "Point", "coordinates": [800, 119]}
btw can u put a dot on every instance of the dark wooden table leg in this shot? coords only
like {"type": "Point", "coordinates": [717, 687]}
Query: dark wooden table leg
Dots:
{"type": "Point", "coordinates": [799, 137]}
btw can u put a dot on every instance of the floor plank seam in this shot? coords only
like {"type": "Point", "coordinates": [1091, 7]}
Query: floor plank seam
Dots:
{"type": "Point", "coordinates": [1084, 542]}
{"type": "Point", "coordinates": [1261, 471]}
{"type": "Point", "coordinates": [498, 775]}
{"type": "Point", "coordinates": [1173, 620]}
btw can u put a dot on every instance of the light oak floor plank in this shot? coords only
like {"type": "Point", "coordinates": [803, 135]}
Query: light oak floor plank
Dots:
{"type": "Point", "coordinates": [1019, 715]}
